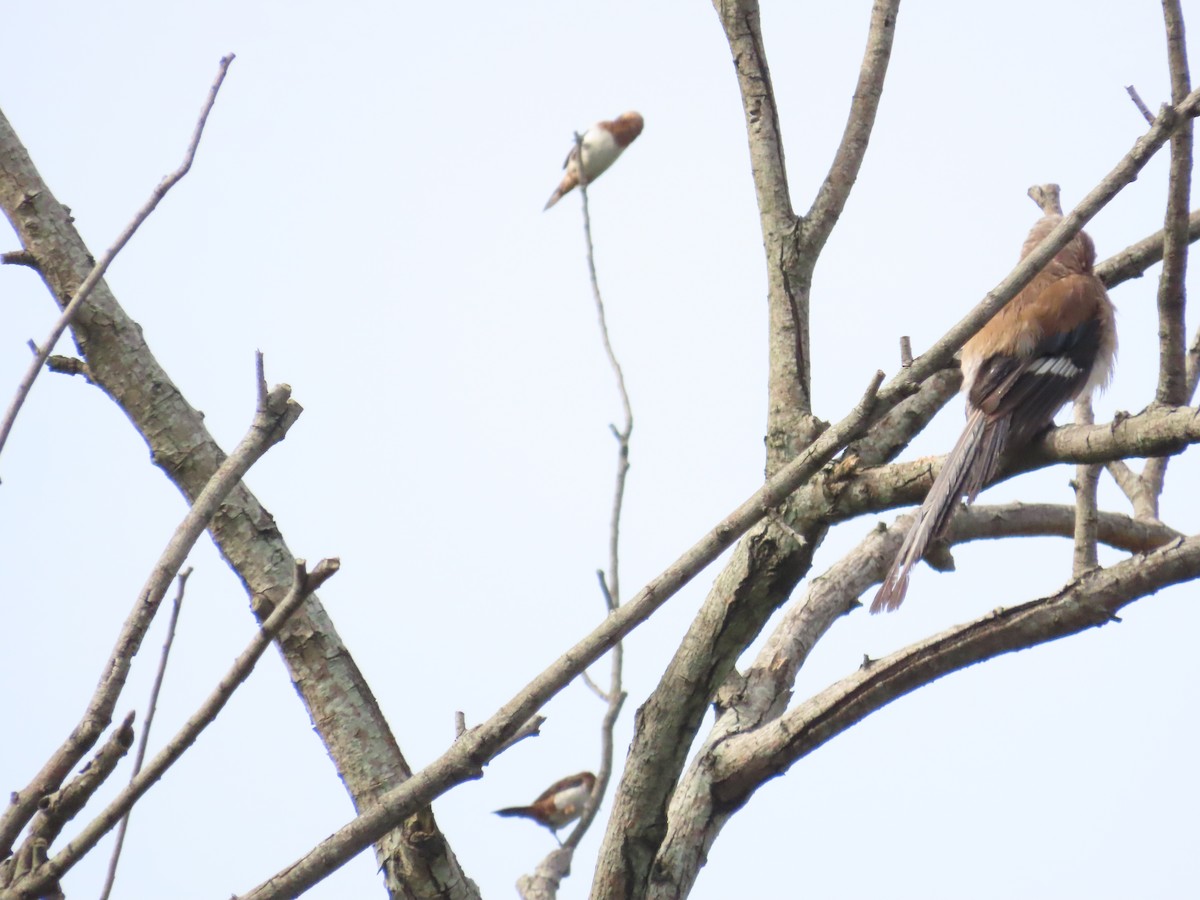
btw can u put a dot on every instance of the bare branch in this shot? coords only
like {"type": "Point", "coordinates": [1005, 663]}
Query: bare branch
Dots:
{"type": "Point", "coordinates": [835, 190]}
{"type": "Point", "coordinates": [305, 584]}
{"type": "Point", "coordinates": [1139, 103]}
{"type": "Point", "coordinates": [1171, 335]}
{"type": "Point", "coordinates": [151, 707]}
{"type": "Point", "coordinates": [742, 763]}
{"type": "Point", "coordinates": [1137, 258]}
{"type": "Point", "coordinates": [1087, 478]}
{"type": "Point", "coordinates": [1155, 432]}
{"type": "Point", "coordinates": [102, 264]}
{"type": "Point", "coordinates": [57, 809]}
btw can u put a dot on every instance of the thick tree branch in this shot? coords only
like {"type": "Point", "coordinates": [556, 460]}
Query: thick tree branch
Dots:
{"type": "Point", "coordinates": [789, 377]}
{"type": "Point", "coordinates": [1171, 327]}
{"type": "Point", "coordinates": [1155, 432]}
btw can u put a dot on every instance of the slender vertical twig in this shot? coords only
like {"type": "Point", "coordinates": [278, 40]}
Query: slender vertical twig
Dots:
{"type": "Point", "coordinates": [1087, 478]}
{"type": "Point", "coordinates": [151, 706]}
{"type": "Point", "coordinates": [610, 585]}
{"type": "Point", "coordinates": [544, 882]}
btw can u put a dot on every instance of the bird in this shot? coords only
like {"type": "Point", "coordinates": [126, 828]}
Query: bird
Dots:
{"type": "Point", "coordinates": [559, 804]}
{"type": "Point", "coordinates": [1054, 342]}
{"type": "Point", "coordinates": [602, 144]}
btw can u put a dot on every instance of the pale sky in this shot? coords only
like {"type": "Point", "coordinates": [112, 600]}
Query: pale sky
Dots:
{"type": "Point", "coordinates": [365, 208]}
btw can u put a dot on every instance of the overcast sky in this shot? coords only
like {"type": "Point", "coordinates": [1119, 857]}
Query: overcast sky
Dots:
{"type": "Point", "coordinates": [365, 208]}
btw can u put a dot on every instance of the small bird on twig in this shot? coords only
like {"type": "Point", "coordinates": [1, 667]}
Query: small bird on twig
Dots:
{"type": "Point", "coordinates": [559, 804]}
{"type": "Point", "coordinates": [1054, 342]}
{"type": "Point", "coordinates": [602, 144]}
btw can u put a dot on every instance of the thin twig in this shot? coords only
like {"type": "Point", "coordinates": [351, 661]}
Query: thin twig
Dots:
{"type": "Point", "coordinates": [305, 584]}
{"type": "Point", "coordinates": [81, 294]}
{"type": "Point", "coordinates": [144, 739]}
{"type": "Point", "coordinates": [1139, 103]}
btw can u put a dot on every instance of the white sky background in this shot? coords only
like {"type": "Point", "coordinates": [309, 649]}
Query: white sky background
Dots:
{"type": "Point", "coordinates": [366, 209]}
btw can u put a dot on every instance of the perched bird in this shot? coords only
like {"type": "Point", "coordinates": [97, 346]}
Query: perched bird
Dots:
{"type": "Point", "coordinates": [602, 144]}
{"type": "Point", "coordinates": [559, 804]}
{"type": "Point", "coordinates": [1054, 342]}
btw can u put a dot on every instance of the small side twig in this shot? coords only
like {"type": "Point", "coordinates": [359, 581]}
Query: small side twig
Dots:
{"type": "Point", "coordinates": [81, 294]}
{"type": "Point", "coordinates": [18, 258]}
{"type": "Point", "coordinates": [144, 739]}
{"type": "Point", "coordinates": [1139, 103]}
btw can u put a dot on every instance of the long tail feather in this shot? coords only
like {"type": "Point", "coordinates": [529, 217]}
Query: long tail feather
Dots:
{"type": "Point", "coordinates": [967, 468]}
{"type": "Point", "coordinates": [526, 811]}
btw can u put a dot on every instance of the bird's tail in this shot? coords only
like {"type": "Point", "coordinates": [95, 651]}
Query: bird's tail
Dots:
{"type": "Point", "coordinates": [523, 811]}
{"type": "Point", "coordinates": [966, 470]}
{"type": "Point", "coordinates": [568, 183]}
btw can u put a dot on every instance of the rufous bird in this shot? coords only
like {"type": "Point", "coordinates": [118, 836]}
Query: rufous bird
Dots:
{"type": "Point", "coordinates": [602, 144]}
{"type": "Point", "coordinates": [1054, 342]}
{"type": "Point", "coordinates": [557, 805]}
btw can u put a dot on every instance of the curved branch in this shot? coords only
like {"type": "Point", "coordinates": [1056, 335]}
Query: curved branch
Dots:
{"type": "Point", "coordinates": [741, 764]}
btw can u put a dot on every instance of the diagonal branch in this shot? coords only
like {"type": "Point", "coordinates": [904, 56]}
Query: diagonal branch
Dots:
{"type": "Point", "coordinates": [835, 190]}
{"type": "Point", "coordinates": [43, 351]}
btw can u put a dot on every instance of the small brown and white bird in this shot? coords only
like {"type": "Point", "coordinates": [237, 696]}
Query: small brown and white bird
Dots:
{"type": "Point", "coordinates": [602, 144]}
{"type": "Point", "coordinates": [1053, 343]}
{"type": "Point", "coordinates": [559, 804]}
